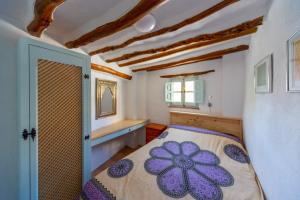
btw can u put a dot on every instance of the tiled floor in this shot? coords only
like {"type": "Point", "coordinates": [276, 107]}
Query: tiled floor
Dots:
{"type": "Point", "coordinates": [118, 156]}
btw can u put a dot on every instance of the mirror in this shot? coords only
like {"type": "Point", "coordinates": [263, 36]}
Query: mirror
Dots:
{"type": "Point", "coordinates": [105, 98]}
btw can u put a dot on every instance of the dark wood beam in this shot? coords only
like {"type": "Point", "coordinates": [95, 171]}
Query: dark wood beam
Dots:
{"type": "Point", "coordinates": [185, 48]}
{"type": "Point", "coordinates": [212, 55]}
{"type": "Point", "coordinates": [192, 62]}
{"type": "Point", "coordinates": [169, 29]}
{"type": "Point", "coordinates": [230, 33]}
{"type": "Point", "coordinates": [182, 63]}
{"type": "Point", "coordinates": [130, 18]}
{"type": "Point", "coordinates": [43, 16]}
{"type": "Point", "coordinates": [188, 74]}
{"type": "Point", "coordinates": [109, 70]}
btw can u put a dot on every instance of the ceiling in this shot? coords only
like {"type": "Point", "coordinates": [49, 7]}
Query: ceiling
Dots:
{"type": "Point", "coordinates": [75, 18]}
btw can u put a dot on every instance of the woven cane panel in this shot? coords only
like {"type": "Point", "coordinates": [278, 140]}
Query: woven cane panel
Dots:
{"type": "Point", "coordinates": [60, 131]}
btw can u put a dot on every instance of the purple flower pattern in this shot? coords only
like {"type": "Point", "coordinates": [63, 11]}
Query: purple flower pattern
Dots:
{"type": "Point", "coordinates": [120, 168]}
{"type": "Point", "coordinates": [94, 190]}
{"type": "Point", "coordinates": [236, 153]}
{"type": "Point", "coordinates": [163, 135]}
{"type": "Point", "coordinates": [182, 168]}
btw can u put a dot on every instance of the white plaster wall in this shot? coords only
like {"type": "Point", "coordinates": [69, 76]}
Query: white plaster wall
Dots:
{"type": "Point", "coordinates": [103, 152]}
{"type": "Point", "coordinates": [271, 121]}
{"type": "Point", "coordinates": [227, 79]}
{"type": "Point", "coordinates": [233, 84]}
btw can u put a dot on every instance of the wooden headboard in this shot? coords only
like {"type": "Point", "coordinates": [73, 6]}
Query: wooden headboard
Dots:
{"type": "Point", "coordinates": [232, 126]}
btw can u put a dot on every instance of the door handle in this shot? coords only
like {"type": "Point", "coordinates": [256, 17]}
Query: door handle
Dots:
{"type": "Point", "coordinates": [26, 134]}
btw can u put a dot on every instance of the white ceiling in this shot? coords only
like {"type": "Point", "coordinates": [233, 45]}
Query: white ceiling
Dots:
{"type": "Point", "coordinates": [76, 17]}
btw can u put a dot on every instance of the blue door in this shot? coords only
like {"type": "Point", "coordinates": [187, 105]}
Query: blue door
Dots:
{"type": "Point", "coordinates": [55, 155]}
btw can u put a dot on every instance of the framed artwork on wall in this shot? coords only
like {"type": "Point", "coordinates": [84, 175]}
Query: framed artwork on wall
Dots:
{"type": "Point", "coordinates": [264, 75]}
{"type": "Point", "coordinates": [293, 72]}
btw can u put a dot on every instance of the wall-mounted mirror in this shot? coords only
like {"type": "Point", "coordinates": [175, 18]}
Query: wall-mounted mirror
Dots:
{"type": "Point", "coordinates": [106, 95]}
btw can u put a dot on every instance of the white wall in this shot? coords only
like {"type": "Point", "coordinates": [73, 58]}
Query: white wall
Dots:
{"type": "Point", "coordinates": [225, 85]}
{"type": "Point", "coordinates": [103, 152]}
{"type": "Point", "coordinates": [271, 121]}
{"type": "Point", "coordinates": [233, 84]}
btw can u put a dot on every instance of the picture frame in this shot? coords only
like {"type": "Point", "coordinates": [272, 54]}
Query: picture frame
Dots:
{"type": "Point", "coordinates": [293, 70]}
{"type": "Point", "coordinates": [263, 73]}
{"type": "Point", "coordinates": [106, 98]}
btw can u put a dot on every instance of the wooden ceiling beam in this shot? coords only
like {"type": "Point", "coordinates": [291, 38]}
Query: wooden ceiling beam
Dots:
{"type": "Point", "coordinates": [188, 74]}
{"type": "Point", "coordinates": [230, 33]}
{"type": "Point", "coordinates": [130, 18]}
{"type": "Point", "coordinates": [169, 29]}
{"type": "Point", "coordinates": [192, 62]}
{"type": "Point", "coordinates": [212, 55]}
{"type": "Point", "coordinates": [186, 48]}
{"type": "Point", "coordinates": [181, 63]}
{"type": "Point", "coordinates": [43, 16]}
{"type": "Point", "coordinates": [109, 70]}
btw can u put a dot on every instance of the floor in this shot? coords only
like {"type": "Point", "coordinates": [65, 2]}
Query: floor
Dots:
{"type": "Point", "coordinates": [118, 156]}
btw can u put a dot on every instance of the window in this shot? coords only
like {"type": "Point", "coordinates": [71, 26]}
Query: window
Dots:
{"type": "Point", "coordinates": [185, 92]}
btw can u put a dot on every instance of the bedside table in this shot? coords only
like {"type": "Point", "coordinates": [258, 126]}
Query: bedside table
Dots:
{"type": "Point", "coordinates": [154, 130]}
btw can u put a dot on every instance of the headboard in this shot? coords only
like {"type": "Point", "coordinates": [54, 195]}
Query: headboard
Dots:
{"type": "Point", "coordinates": [232, 126]}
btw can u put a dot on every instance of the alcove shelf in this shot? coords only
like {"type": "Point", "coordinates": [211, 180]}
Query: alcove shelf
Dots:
{"type": "Point", "coordinates": [115, 130]}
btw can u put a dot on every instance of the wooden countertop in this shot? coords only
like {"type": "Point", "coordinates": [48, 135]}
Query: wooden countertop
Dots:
{"type": "Point", "coordinates": [115, 127]}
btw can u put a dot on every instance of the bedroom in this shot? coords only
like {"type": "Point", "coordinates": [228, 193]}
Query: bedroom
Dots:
{"type": "Point", "coordinates": [133, 78]}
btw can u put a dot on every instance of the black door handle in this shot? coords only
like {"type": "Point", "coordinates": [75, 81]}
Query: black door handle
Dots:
{"type": "Point", "coordinates": [33, 133]}
{"type": "Point", "coordinates": [87, 137]}
{"type": "Point", "coordinates": [25, 134]}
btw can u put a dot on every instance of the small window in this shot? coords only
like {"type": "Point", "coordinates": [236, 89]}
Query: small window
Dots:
{"type": "Point", "coordinates": [185, 92]}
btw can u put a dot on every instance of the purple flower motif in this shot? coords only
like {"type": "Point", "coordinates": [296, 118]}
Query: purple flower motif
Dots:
{"type": "Point", "coordinates": [236, 153]}
{"type": "Point", "coordinates": [163, 135]}
{"type": "Point", "coordinates": [183, 168]}
{"type": "Point", "coordinates": [94, 190]}
{"type": "Point", "coordinates": [120, 168]}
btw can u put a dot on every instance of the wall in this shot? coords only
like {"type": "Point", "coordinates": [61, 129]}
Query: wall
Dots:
{"type": "Point", "coordinates": [103, 152]}
{"type": "Point", "coordinates": [271, 121]}
{"type": "Point", "coordinates": [225, 85]}
{"type": "Point", "coordinates": [233, 84]}
{"type": "Point", "coordinates": [8, 111]}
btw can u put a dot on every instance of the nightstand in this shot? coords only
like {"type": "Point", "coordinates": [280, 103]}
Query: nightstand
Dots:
{"type": "Point", "coordinates": [154, 130]}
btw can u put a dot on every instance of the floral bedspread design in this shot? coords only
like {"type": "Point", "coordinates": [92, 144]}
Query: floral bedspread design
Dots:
{"type": "Point", "coordinates": [183, 168]}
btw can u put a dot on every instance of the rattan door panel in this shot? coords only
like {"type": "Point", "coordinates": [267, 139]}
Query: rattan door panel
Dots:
{"type": "Point", "coordinates": [59, 131]}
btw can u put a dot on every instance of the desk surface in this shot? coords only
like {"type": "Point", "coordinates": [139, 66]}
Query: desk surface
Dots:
{"type": "Point", "coordinates": [115, 127]}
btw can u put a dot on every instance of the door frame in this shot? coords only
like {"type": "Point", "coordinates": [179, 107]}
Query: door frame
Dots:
{"type": "Point", "coordinates": [26, 192]}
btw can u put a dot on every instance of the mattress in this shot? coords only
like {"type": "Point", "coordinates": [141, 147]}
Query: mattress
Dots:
{"type": "Point", "coordinates": [182, 163]}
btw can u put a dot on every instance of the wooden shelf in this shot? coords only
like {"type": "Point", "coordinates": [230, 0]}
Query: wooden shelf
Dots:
{"type": "Point", "coordinates": [116, 130]}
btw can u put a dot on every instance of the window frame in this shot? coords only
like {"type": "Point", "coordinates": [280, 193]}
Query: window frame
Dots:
{"type": "Point", "coordinates": [183, 103]}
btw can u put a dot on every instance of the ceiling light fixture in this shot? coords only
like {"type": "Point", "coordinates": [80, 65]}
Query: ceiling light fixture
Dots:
{"type": "Point", "coordinates": [146, 24]}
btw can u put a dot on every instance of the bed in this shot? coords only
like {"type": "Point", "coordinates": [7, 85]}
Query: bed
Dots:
{"type": "Point", "coordinates": [184, 162]}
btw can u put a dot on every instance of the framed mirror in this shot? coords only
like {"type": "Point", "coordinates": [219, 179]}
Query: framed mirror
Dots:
{"type": "Point", "coordinates": [106, 97]}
